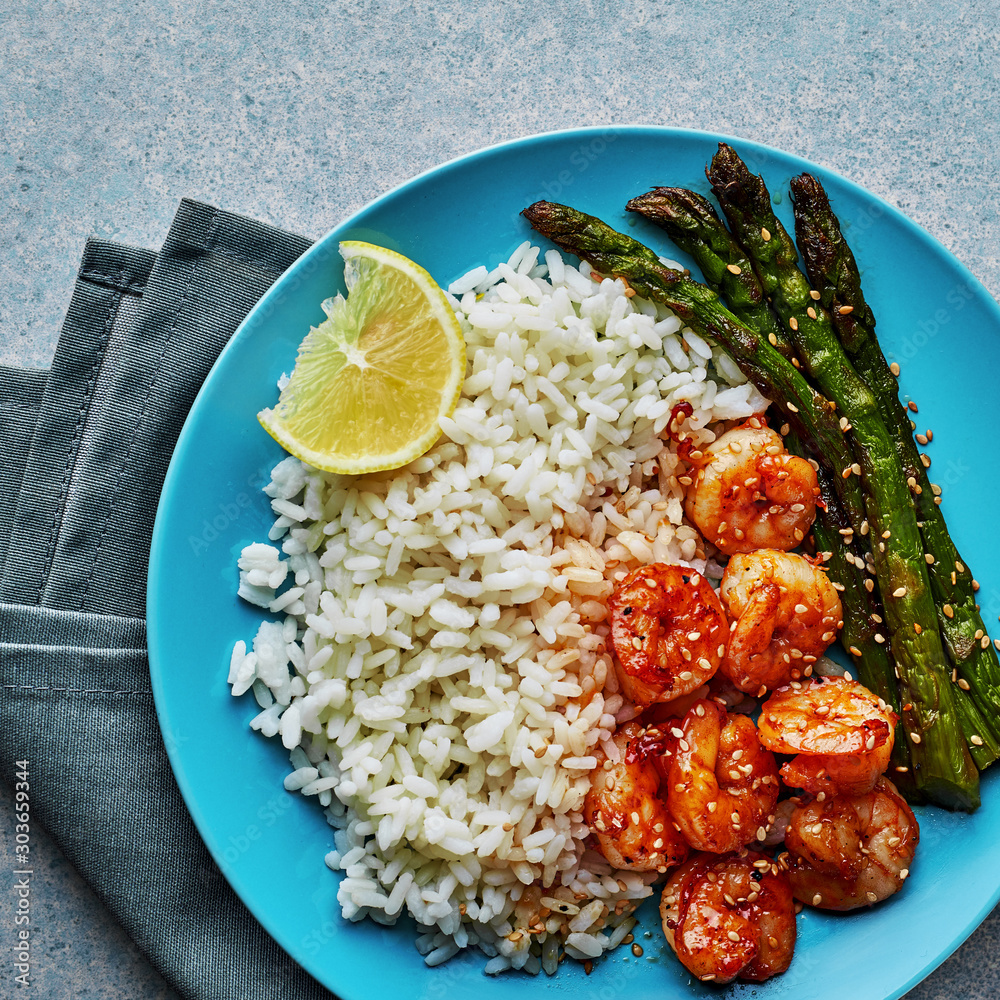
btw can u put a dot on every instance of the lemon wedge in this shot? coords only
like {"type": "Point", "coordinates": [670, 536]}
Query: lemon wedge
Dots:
{"type": "Point", "coordinates": [373, 380]}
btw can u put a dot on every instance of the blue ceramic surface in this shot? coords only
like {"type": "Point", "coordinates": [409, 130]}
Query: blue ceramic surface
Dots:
{"type": "Point", "coordinates": [934, 319]}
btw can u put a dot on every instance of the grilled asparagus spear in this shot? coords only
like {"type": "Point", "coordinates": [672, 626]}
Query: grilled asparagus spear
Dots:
{"type": "Point", "coordinates": [691, 222]}
{"type": "Point", "coordinates": [944, 769]}
{"type": "Point", "coordinates": [863, 616]}
{"type": "Point", "coordinates": [930, 714]}
{"type": "Point", "coordinates": [611, 252]}
{"type": "Point", "coordinates": [694, 226]}
{"type": "Point", "coordinates": [833, 271]}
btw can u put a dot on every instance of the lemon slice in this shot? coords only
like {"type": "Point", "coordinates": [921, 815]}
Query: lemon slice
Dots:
{"type": "Point", "coordinates": [373, 380]}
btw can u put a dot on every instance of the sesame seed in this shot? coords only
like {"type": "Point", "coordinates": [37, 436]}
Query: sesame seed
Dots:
{"type": "Point", "coordinates": [855, 650]}
{"type": "Point", "coordinates": [894, 368]}
{"type": "Point", "coordinates": [976, 741]}
{"type": "Point", "coordinates": [959, 566]}
{"type": "Point", "coordinates": [800, 609]}
{"type": "Point", "coordinates": [921, 439]}
{"type": "Point", "coordinates": [814, 295]}
{"type": "Point", "coordinates": [872, 897]}
{"type": "Point", "coordinates": [856, 469]}
{"type": "Point", "coordinates": [637, 950]}
{"type": "Point", "coordinates": [734, 269]}
{"type": "Point", "coordinates": [917, 628]}
{"type": "Point", "coordinates": [869, 585]}
{"type": "Point", "coordinates": [765, 234]}
{"type": "Point", "coordinates": [793, 323]}
{"type": "Point", "coordinates": [817, 899]}
{"type": "Point", "coordinates": [733, 936]}
{"type": "Point", "coordinates": [761, 833]}
{"type": "Point", "coordinates": [711, 807]}
{"type": "Point", "coordinates": [904, 872]}
{"type": "Point", "coordinates": [928, 558]}
{"type": "Point", "coordinates": [636, 642]}
{"type": "Point", "coordinates": [846, 310]}
{"type": "Point", "coordinates": [887, 533]}
{"type": "Point", "coordinates": [899, 592]}
{"type": "Point", "coordinates": [925, 460]}
{"type": "Point", "coordinates": [878, 637]}
{"type": "Point", "coordinates": [915, 737]}
{"type": "Point", "coordinates": [792, 407]}
{"type": "Point", "coordinates": [635, 817]}
{"type": "Point", "coordinates": [963, 684]}
{"type": "Point", "coordinates": [811, 313]}
{"type": "Point", "coordinates": [772, 339]}
{"type": "Point", "coordinates": [949, 611]}
{"type": "Point", "coordinates": [846, 473]}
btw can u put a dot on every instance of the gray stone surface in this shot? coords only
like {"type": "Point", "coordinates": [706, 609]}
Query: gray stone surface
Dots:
{"type": "Point", "coordinates": [299, 113]}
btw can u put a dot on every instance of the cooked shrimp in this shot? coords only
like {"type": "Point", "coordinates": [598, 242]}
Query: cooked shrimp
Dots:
{"type": "Point", "coordinates": [626, 811]}
{"type": "Point", "coordinates": [851, 850]}
{"type": "Point", "coordinates": [668, 631]}
{"type": "Point", "coordinates": [722, 785]}
{"type": "Point", "coordinates": [842, 733]}
{"type": "Point", "coordinates": [786, 611]}
{"type": "Point", "coordinates": [749, 493]}
{"type": "Point", "coordinates": [729, 916]}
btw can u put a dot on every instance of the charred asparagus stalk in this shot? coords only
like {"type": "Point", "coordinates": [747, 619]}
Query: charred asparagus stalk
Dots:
{"type": "Point", "coordinates": [930, 715]}
{"type": "Point", "coordinates": [942, 763]}
{"type": "Point", "coordinates": [614, 253]}
{"type": "Point", "coordinates": [833, 270]}
{"type": "Point", "coordinates": [692, 223]}
{"type": "Point", "coordinates": [863, 617]}
{"type": "Point", "coordinates": [694, 226]}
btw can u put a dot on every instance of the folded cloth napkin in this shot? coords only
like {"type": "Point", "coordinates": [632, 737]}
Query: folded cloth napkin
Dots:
{"type": "Point", "coordinates": [85, 448]}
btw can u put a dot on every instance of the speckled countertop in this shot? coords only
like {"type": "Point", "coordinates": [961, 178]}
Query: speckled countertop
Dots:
{"type": "Point", "coordinates": [299, 113]}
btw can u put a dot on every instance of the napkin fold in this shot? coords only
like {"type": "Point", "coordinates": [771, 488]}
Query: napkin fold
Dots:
{"type": "Point", "coordinates": [84, 451]}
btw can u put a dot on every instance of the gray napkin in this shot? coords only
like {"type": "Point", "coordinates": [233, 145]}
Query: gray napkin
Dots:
{"type": "Point", "coordinates": [84, 451]}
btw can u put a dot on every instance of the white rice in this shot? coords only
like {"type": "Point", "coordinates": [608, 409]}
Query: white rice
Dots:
{"type": "Point", "coordinates": [440, 675]}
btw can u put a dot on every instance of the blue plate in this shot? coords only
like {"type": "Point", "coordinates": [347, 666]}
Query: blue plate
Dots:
{"type": "Point", "coordinates": [935, 319]}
